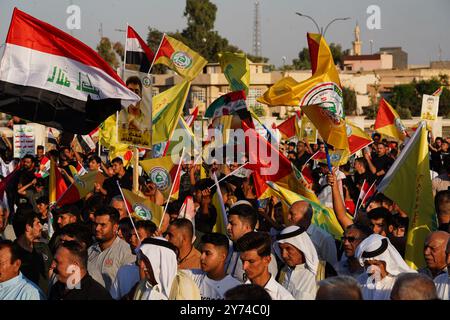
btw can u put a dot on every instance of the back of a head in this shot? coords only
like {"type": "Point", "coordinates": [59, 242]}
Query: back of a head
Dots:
{"type": "Point", "coordinates": [246, 213]}
{"type": "Point", "coordinates": [259, 241]}
{"type": "Point", "coordinates": [185, 226]}
{"type": "Point", "coordinates": [413, 286]}
{"type": "Point", "coordinates": [77, 250]}
{"type": "Point", "coordinates": [148, 225]}
{"type": "Point", "coordinates": [79, 232]}
{"type": "Point", "coordinates": [247, 292]}
{"type": "Point", "coordinates": [339, 288]}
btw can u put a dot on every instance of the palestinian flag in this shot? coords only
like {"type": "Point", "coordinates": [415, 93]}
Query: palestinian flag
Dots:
{"type": "Point", "coordinates": [163, 173]}
{"type": "Point", "coordinates": [227, 104]}
{"type": "Point", "coordinates": [142, 208]}
{"type": "Point", "coordinates": [49, 77]}
{"type": "Point", "coordinates": [81, 187]}
{"type": "Point", "coordinates": [137, 51]}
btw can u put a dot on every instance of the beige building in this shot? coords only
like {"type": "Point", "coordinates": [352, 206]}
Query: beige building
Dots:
{"type": "Point", "coordinates": [211, 84]}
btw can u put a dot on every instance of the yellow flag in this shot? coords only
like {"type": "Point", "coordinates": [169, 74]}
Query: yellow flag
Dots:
{"type": "Point", "coordinates": [163, 172]}
{"type": "Point", "coordinates": [142, 208]}
{"type": "Point", "coordinates": [167, 108]}
{"type": "Point", "coordinates": [236, 69]}
{"type": "Point", "coordinates": [408, 184]}
{"type": "Point", "coordinates": [108, 138]}
{"type": "Point", "coordinates": [331, 128]}
{"type": "Point", "coordinates": [179, 57]}
{"type": "Point", "coordinates": [324, 86]}
{"type": "Point", "coordinates": [323, 217]}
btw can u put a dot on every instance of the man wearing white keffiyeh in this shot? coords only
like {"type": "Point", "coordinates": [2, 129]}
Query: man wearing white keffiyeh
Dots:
{"type": "Point", "coordinates": [382, 264]}
{"type": "Point", "coordinates": [296, 249]}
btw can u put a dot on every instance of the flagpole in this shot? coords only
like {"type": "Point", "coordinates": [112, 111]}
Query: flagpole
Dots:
{"type": "Point", "coordinates": [135, 169]}
{"type": "Point", "coordinates": [173, 185]}
{"type": "Point", "coordinates": [309, 160]}
{"type": "Point", "coordinates": [128, 210]}
{"type": "Point", "coordinates": [328, 157]}
{"type": "Point", "coordinates": [229, 174]}
{"type": "Point", "coordinates": [125, 54]}
{"type": "Point", "coordinates": [222, 204]}
{"type": "Point", "coordinates": [359, 197]}
{"type": "Point", "coordinates": [154, 57]}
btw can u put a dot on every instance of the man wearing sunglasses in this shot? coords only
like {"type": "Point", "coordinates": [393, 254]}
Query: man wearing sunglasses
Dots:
{"type": "Point", "coordinates": [348, 265]}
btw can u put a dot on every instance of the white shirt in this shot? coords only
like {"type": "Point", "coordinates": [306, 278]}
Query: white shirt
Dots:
{"type": "Point", "coordinates": [276, 290]}
{"type": "Point", "coordinates": [324, 244]}
{"type": "Point", "coordinates": [211, 289]}
{"type": "Point", "coordinates": [442, 283]}
{"type": "Point", "coordinates": [235, 269]}
{"type": "Point", "coordinates": [127, 277]}
{"type": "Point", "coordinates": [380, 290]}
{"type": "Point", "coordinates": [300, 282]}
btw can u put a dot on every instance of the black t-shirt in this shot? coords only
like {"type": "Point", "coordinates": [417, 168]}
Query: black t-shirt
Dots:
{"type": "Point", "coordinates": [382, 163]}
{"type": "Point", "coordinates": [368, 176]}
{"type": "Point", "coordinates": [302, 160]}
{"type": "Point", "coordinates": [26, 176]}
{"type": "Point", "coordinates": [35, 264]}
{"type": "Point", "coordinates": [89, 289]}
{"type": "Point", "coordinates": [126, 182]}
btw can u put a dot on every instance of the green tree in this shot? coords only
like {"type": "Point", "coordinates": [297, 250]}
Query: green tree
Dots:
{"type": "Point", "coordinates": [105, 50]}
{"type": "Point", "coordinates": [349, 97]}
{"type": "Point", "coordinates": [303, 62]}
{"type": "Point", "coordinates": [199, 33]}
{"type": "Point", "coordinates": [119, 49]}
{"type": "Point", "coordinates": [410, 95]}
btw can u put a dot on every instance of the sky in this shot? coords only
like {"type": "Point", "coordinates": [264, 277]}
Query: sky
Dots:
{"type": "Point", "coordinates": [419, 27]}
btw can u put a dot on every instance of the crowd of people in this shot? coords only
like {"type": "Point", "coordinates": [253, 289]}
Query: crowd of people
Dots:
{"type": "Point", "coordinates": [93, 248]}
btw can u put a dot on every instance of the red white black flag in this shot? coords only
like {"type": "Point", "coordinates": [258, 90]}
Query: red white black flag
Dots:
{"type": "Point", "coordinates": [137, 51]}
{"type": "Point", "coordinates": [49, 77]}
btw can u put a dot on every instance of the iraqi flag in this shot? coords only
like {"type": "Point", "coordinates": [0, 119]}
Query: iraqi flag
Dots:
{"type": "Point", "coordinates": [137, 51]}
{"type": "Point", "coordinates": [49, 77]}
{"type": "Point", "coordinates": [227, 104]}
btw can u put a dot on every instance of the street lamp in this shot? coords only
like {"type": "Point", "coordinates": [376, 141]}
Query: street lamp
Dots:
{"type": "Point", "coordinates": [321, 30]}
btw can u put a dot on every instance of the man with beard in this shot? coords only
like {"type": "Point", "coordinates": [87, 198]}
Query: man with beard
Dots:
{"type": "Point", "coordinates": [110, 252]}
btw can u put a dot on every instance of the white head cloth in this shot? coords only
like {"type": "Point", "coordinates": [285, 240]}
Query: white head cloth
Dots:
{"type": "Point", "coordinates": [376, 247]}
{"type": "Point", "coordinates": [301, 240]}
{"type": "Point", "coordinates": [163, 260]}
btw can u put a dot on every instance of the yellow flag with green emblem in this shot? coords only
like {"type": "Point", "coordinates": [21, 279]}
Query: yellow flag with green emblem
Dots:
{"type": "Point", "coordinates": [408, 184]}
{"type": "Point", "coordinates": [167, 108]}
{"type": "Point", "coordinates": [236, 69]}
{"type": "Point", "coordinates": [323, 217]}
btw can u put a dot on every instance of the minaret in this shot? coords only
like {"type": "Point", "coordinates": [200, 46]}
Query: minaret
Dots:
{"type": "Point", "coordinates": [357, 44]}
